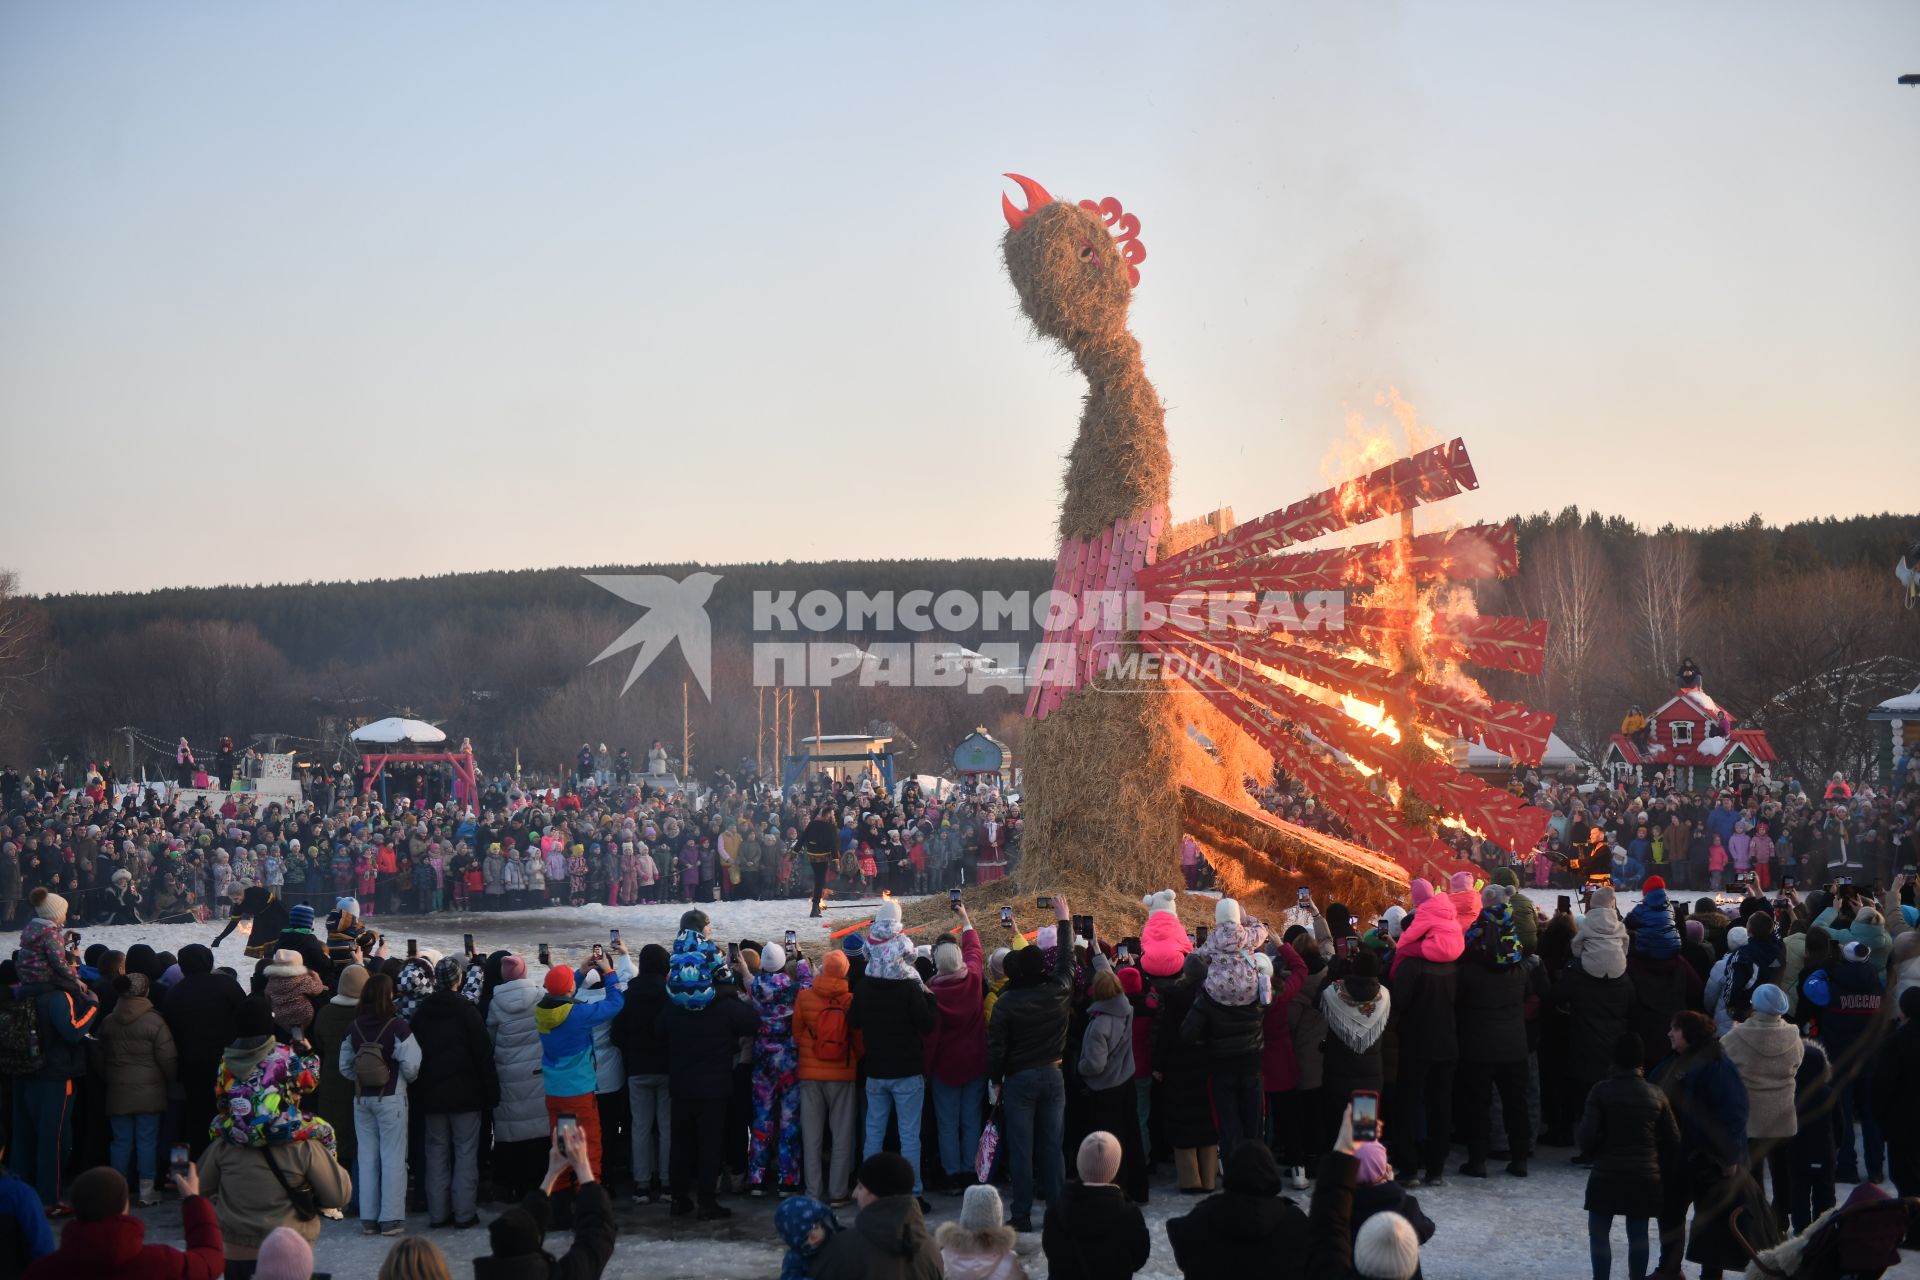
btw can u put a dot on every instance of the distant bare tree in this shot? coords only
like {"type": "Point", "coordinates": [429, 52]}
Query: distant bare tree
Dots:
{"type": "Point", "coordinates": [1663, 598]}
{"type": "Point", "coordinates": [24, 648]}
{"type": "Point", "coordinates": [1567, 583]}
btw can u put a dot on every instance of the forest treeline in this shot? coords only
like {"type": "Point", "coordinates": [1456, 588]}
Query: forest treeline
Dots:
{"type": "Point", "coordinates": [1799, 627]}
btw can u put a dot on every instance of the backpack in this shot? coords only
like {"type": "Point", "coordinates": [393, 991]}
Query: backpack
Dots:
{"type": "Point", "coordinates": [830, 1034]}
{"type": "Point", "coordinates": [371, 1071]}
{"type": "Point", "coordinates": [21, 1053]}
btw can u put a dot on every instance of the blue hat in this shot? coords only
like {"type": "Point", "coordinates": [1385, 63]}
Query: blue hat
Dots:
{"type": "Point", "coordinates": [1768, 998]}
{"type": "Point", "coordinates": [300, 916]}
{"type": "Point", "coordinates": [853, 944]}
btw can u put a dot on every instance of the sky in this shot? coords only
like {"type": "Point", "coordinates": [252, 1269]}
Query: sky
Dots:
{"type": "Point", "coordinates": [303, 291]}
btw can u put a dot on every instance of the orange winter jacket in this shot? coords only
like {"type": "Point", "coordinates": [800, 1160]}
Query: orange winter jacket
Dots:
{"type": "Point", "coordinates": [829, 989]}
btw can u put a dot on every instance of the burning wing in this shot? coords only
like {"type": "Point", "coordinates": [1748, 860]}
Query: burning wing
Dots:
{"type": "Point", "coordinates": [1363, 716]}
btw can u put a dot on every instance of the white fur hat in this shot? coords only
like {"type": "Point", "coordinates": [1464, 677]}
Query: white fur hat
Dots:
{"type": "Point", "coordinates": [1162, 901]}
{"type": "Point", "coordinates": [1386, 1248]}
{"type": "Point", "coordinates": [889, 911]}
{"type": "Point", "coordinates": [1227, 912]}
{"type": "Point", "coordinates": [773, 958]}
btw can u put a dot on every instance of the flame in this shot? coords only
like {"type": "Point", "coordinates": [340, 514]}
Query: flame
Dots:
{"type": "Point", "coordinates": [1371, 714]}
{"type": "Point", "coordinates": [245, 929]}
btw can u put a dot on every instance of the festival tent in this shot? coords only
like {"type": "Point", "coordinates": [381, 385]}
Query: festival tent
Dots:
{"type": "Point", "coordinates": [395, 730]}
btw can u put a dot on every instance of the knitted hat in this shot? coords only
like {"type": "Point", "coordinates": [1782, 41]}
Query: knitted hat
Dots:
{"type": "Point", "coordinates": [1768, 998]}
{"type": "Point", "coordinates": [1226, 911]}
{"type": "Point", "coordinates": [284, 1255]}
{"type": "Point", "coordinates": [1737, 937]}
{"type": "Point", "coordinates": [353, 980]}
{"type": "Point", "coordinates": [1462, 880]}
{"type": "Point", "coordinates": [513, 968]}
{"type": "Point", "coordinates": [49, 905]}
{"type": "Point", "coordinates": [347, 906]}
{"type": "Point", "coordinates": [1372, 1158]}
{"type": "Point", "coordinates": [1652, 883]}
{"type": "Point", "coordinates": [559, 981]}
{"type": "Point", "coordinates": [773, 959]}
{"type": "Point", "coordinates": [1099, 1158]}
{"type": "Point", "coordinates": [947, 958]}
{"type": "Point", "coordinates": [1394, 915]}
{"type": "Point", "coordinates": [1386, 1248]}
{"type": "Point", "coordinates": [1421, 889]}
{"type": "Point", "coordinates": [300, 916]}
{"type": "Point", "coordinates": [1696, 930]}
{"type": "Point", "coordinates": [890, 912]}
{"type": "Point", "coordinates": [853, 944]}
{"type": "Point", "coordinates": [980, 1208]}
{"type": "Point", "coordinates": [885, 1173]}
{"type": "Point", "coordinates": [1130, 981]}
{"type": "Point", "coordinates": [448, 974]}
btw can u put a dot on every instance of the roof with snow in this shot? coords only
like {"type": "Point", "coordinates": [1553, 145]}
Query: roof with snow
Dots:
{"type": "Point", "coordinates": [1907, 704]}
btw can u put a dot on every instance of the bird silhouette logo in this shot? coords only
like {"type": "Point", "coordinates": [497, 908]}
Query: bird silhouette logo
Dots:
{"type": "Point", "coordinates": [674, 611]}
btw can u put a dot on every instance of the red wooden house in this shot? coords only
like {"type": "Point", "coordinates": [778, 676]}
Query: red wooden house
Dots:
{"type": "Point", "coordinates": [1693, 740]}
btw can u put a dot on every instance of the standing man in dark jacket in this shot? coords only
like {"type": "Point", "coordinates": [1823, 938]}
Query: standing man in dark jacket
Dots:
{"type": "Point", "coordinates": [1629, 1133]}
{"type": "Point", "coordinates": [894, 1012]}
{"type": "Point", "coordinates": [820, 843]}
{"type": "Point", "coordinates": [1847, 1007]}
{"type": "Point", "coordinates": [1026, 1038]}
{"type": "Point", "coordinates": [1424, 995]}
{"type": "Point", "coordinates": [648, 1098]}
{"type": "Point", "coordinates": [43, 1102]}
{"type": "Point", "coordinates": [1896, 1102]}
{"type": "Point", "coordinates": [1235, 1040]}
{"type": "Point", "coordinates": [1491, 1016]}
{"type": "Point", "coordinates": [203, 1012]}
{"type": "Point", "coordinates": [700, 1031]}
{"type": "Point", "coordinates": [457, 1058]}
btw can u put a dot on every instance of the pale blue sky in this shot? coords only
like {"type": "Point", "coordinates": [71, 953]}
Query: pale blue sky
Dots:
{"type": "Point", "coordinates": [537, 284]}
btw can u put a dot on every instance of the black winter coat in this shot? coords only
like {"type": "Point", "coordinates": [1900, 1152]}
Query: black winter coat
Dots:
{"type": "Point", "coordinates": [1896, 1086]}
{"type": "Point", "coordinates": [456, 1056]}
{"type": "Point", "coordinates": [1234, 1034]}
{"type": "Point", "coordinates": [1236, 1234]}
{"type": "Point", "coordinates": [203, 1012]}
{"type": "Point", "coordinates": [1599, 1011]}
{"type": "Point", "coordinates": [701, 1045]}
{"type": "Point", "coordinates": [893, 1016]}
{"type": "Point", "coordinates": [1029, 1024]}
{"type": "Point", "coordinates": [1092, 1233]}
{"type": "Point", "coordinates": [1344, 1069]}
{"type": "Point", "coordinates": [593, 1238]}
{"type": "Point", "coordinates": [1424, 996]}
{"type": "Point", "coordinates": [1186, 1105]}
{"type": "Point", "coordinates": [887, 1241]}
{"type": "Point", "coordinates": [1390, 1197]}
{"type": "Point", "coordinates": [1661, 988]}
{"type": "Point", "coordinates": [1489, 1012]}
{"type": "Point", "coordinates": [636, 1028]}
{"type": "Point", "coordinates": [1629, 1132]}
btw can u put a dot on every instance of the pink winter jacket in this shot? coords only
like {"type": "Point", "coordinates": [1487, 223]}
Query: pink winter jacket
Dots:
{"type": "Point", "coordinates": [1277, 1067]}
{"type": "Point", "coordinates": [1435, 934]}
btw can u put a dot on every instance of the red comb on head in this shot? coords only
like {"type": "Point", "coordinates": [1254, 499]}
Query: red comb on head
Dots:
{"type": "Point", "coordinates": [1125, 229]}
{"type": "Point", "coordinates": [1037, 199]}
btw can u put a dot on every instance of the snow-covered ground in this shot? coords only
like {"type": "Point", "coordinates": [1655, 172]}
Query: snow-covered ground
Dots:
{"type": "Point", "coordinates": [1501, 1226]}
{"type": "Point", "coordinates": [572, 930]}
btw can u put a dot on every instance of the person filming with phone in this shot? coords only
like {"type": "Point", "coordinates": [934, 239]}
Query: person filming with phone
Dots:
{"type": "Point", "coordinates": [1026, 1039]}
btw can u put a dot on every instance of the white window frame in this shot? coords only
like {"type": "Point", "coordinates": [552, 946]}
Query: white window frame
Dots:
{"type": "Point", "coordinates": [1674, 729]}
